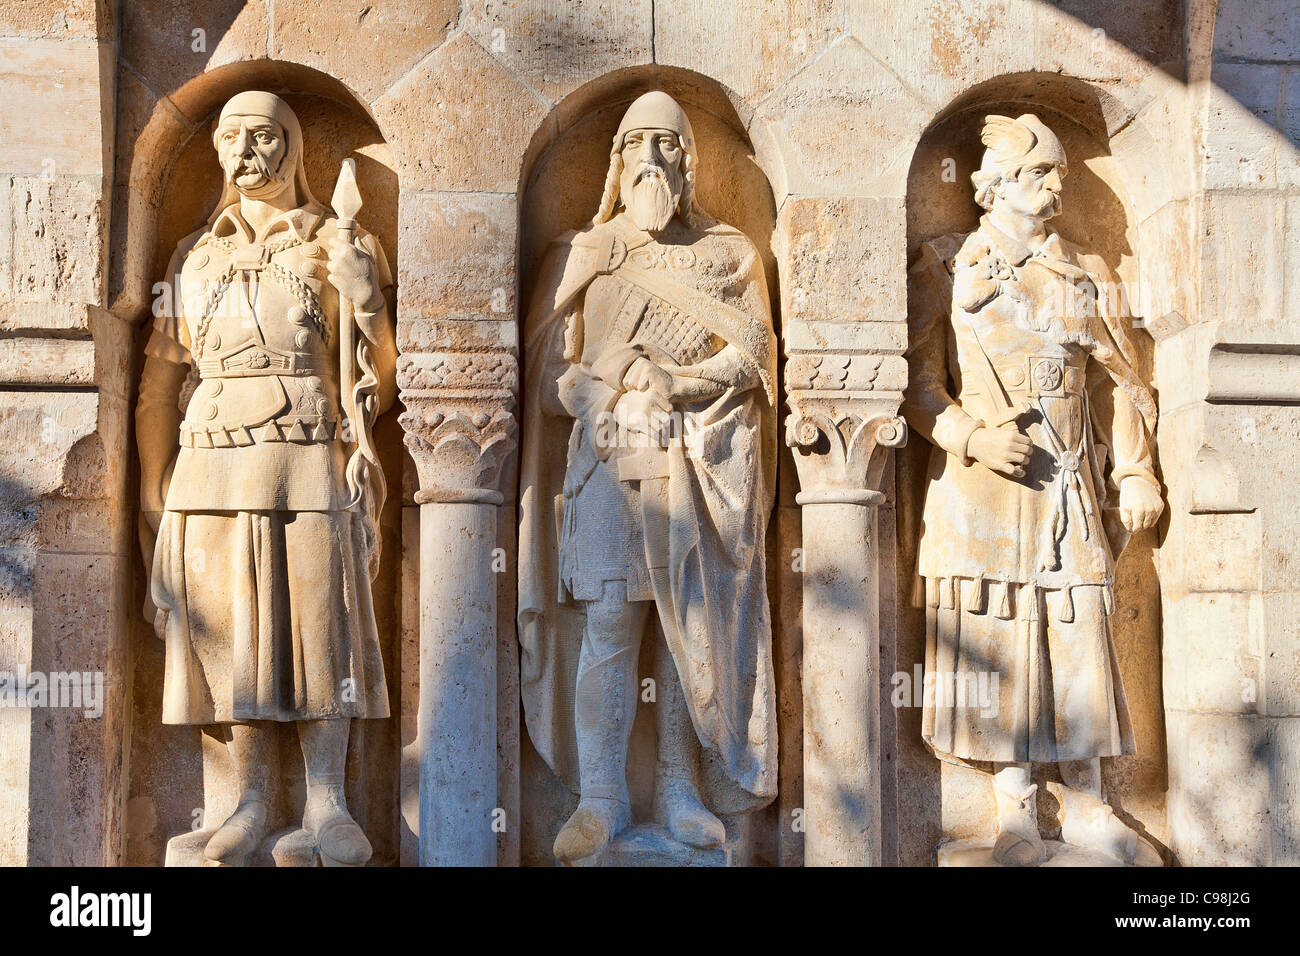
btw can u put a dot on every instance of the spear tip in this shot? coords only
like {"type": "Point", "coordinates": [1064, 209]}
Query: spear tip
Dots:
{"type": "Point", "coordinates": [347, 198]}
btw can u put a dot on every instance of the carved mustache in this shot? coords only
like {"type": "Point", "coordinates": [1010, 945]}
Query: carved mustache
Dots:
{"type": "Point", "coordinates": [253, 164]}
{"type": "Point", "coordinates": [650, 171]}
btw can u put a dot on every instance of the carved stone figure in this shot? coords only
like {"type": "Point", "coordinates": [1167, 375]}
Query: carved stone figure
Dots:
{"type": "Point", "coordinates": [1022, 376]}
{"type": "Point", "coordinates": [650, 355]}
{"type": "Point", "coordinates": [264, 496]}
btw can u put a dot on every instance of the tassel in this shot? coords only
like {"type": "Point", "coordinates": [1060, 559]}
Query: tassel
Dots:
{"type": "Point", "coordinates": [947, 588]}
{"type": "Point", "coordinates": [1002, 601]}
{"type": "Point", "coordinates": [976, 603]}
{"type": "Point", "coordinates": [297, 432]}
{"type": "Point", "coordinates": [242, 437]}
{"type": "Point", "coordinates": [221, 439]}
{"type": "Point", "coordinates": [272, 432]}
{"type": "Point", "coordinates": [918, 591]}
{"type": "Point", "coordinates": [323, 431]}
{"type": "Point", "coordinates": [1065, 610]}
{"type": "Point", "coordinates": [1109, 595]}
{"type": "Point", "coordinates": [931, 592]}
{"type": "Point", "coordinates": [202, 439]}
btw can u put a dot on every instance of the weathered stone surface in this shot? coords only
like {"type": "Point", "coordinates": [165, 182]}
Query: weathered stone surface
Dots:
{"type": "Point", "coordinates": [69, 136]}
{"type": "Point", "coordinates": [57, 19]}
{"type": "Point", "coordinates": [170, 44]}
{"type": "Point", "coordinates": [820, 118]}
{"type": "Point", "coordinates": [556, 46]}
{"type": "Point", "coordinates": [58, 244]}
{"type": "Point", "coordinates": [481, 132]}
{"type": "Point", "coordinates": [460, 262]}
{"type": "Point", "coordinates": [473, 117]}
{"type": "Point", "coordinates": [838, 269]}
{"type": "Point", "coordinates": [753, 49]}
{"type": "Point", "coordinates": [369, 44]}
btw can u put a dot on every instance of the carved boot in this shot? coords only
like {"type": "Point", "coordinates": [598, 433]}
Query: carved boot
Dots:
{"type": "Point", "coordinates": [588, 832]}
{"type": "Point", "coordinates": [677, 796]}
{"type": "Point", "coordinates": [1018, 842]}
{"type": "Point", "coordinates": [339, 840]}
{"type": "Point", "coordinates": [677, 802]}
{"type": "Point", "coordinates": [1089, 822]}
{"type": "Point", "coordinates": [241, 834]}
{"type": "Point", "coordinates": [605, 707]}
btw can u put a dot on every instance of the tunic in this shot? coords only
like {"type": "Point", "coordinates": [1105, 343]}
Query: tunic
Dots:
{"type": "Point", "coordinates": [1017, 573]}
{"type": "Point", "coordinates": [263, 573]}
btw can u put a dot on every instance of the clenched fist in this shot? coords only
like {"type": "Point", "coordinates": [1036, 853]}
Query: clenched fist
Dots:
{"type": "Point", "coordinates": [350, 272]}
{"type": "Point", "coordinates": [644, 375]}
{"type": "Point", "coordinates": [1139, 504]}
{"type": "Point", "coordinates": [1003, 449]}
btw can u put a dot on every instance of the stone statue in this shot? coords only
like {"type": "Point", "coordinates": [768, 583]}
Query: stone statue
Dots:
{"type": "Point", "coordinates": [1022, 377]}
{"type": "Point", "coordinates": [651, 357]}
{"type": "Point", "coordinates": [262, 524]}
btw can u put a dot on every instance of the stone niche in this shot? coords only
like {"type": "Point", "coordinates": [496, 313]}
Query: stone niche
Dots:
{"type": "Point", "coordinates": [563, 178]}
{"type": "Point", "coordinates": [933, 802]}
{"type": "Point", "coordinates": [172, 767]}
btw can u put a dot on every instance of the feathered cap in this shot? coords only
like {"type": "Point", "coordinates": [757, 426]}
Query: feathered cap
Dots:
{"type": "Point", "coordinates": [1019, 142]}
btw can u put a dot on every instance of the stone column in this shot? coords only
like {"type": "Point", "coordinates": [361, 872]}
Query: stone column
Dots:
{"type": "Point", "coordinates": [840, 435]}
{"type": "Point", "coordinates": [459, 441]}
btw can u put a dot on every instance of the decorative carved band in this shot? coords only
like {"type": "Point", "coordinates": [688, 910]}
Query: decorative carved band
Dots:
{"type": "Point", "coordinates": [459, 422]}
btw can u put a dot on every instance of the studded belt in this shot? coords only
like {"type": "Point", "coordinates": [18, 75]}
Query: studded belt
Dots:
{"type": "Point", "coordinates": [1043, 375]}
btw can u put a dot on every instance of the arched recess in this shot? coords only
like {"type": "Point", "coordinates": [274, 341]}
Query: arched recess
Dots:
{"type": "Point", "coordinates": [1121, 201]}
{"type": "Point", "coordinates": [739, 181]}
{"type": "Point", "coordinates": [173, 183]}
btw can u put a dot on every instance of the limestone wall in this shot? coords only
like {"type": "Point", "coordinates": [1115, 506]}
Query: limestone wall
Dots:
{"type": "Point", "coordinates": [481, 131]}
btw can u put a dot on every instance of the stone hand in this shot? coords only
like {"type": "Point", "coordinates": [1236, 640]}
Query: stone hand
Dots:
{"type": "Point", "coordinates": [350, 272]}
{"type": "Point", "coordinates": [643, 413]}
{"type": "Point", "coordinates": [1139, 504]}
{"type": "Point", "coordinates": [644, 375]}
{"type": "Point", "coordinates": [1003, 449]}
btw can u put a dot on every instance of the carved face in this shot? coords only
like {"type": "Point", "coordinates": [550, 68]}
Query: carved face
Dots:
{"type": "Point", "coordinates": [253, 151]}
{"type": "Point", "coordinates": [651, 183]}
{"type": "Point", "coordinates": [1035, 192]}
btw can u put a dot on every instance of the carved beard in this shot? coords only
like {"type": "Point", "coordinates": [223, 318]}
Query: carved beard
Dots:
{"type": "Point", "coordinates": [652, 200]}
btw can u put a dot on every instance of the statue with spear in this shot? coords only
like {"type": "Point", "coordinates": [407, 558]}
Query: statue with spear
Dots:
{"type": "Point", "coordinates": [260, 482]}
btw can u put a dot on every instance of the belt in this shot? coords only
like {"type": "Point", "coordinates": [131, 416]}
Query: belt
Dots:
{"type": "Point", "coordinates": [1043, 375]}
{"type": "Point", "coordinates": [256, 361]}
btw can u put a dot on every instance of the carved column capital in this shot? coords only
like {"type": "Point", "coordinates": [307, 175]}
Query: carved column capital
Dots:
{"type": "Point", "coordinates": [841, 441]}
{"type": "Point", "coordinates": [459, 422]}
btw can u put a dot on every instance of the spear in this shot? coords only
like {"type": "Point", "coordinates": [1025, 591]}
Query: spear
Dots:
{"type": "Point", "coordinates": [347, 203]}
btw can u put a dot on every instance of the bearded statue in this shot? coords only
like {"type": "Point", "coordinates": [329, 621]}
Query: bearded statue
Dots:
{"type": "Point", "coordinates": [651, 358]}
